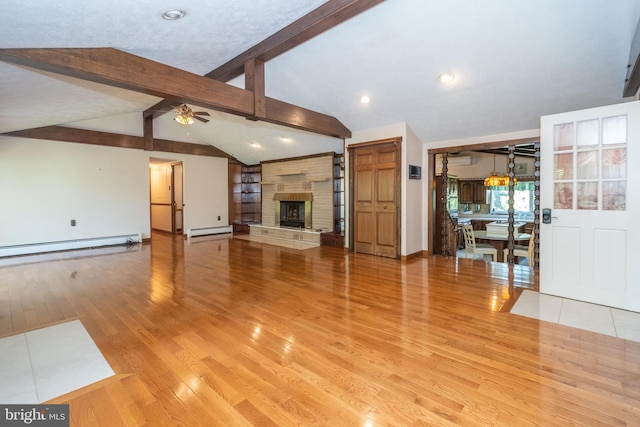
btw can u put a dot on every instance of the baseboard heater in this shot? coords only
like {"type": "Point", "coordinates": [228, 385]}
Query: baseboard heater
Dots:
{"type": "Point", "coordinates": [205, 231]}
{"type": "Point", "coordinates": [65, 245]}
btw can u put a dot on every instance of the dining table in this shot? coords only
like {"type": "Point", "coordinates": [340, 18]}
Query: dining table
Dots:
{"type": "Point", "coordinates": [499, 241]}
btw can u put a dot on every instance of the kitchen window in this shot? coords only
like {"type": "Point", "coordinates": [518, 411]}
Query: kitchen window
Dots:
{"type": "Point", "coordinates": [498, 198]}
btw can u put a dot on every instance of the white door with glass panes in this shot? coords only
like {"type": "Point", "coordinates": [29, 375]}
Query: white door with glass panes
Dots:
{"type": "Point", "coordinates": [590, 181]}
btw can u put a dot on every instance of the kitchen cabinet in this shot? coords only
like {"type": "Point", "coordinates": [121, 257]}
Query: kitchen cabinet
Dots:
{"type": "Point", "coordinates": [472, 191]}
{"type": "Point", "coordinates": [465, 191]}
{"type": "Point", "coordinates": [479, 192]}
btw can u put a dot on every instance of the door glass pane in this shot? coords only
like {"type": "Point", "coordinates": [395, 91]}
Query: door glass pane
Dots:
{"type": "Point", "coordinates": [564, 166]}
{"type": "Point", "coordinates": [614, 195]}
{"type": "Point", "coordinates": [614, 163]}
{"type": "Point", "coordinates": [614, 130]}
{"type": "Point", "coordinates": [563, 137]}
{"type": "Point", "coordinates": [587, 165]}
{"type": "Point", "coordinates": [587, 134]}
{"type": "Point", "coordinates": [588, 195]}
{"type": "Point", "coordinates": [563, 196]}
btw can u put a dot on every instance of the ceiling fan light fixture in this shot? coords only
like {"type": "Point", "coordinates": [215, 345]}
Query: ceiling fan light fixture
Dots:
{"type": "Point", "coordinates": [184, 119]}
{"type": "Point", "coordinates": [173, 15]}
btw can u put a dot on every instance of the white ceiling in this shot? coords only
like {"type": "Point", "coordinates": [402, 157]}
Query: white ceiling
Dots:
{"type": "Point", "coordinates": [513, 61]}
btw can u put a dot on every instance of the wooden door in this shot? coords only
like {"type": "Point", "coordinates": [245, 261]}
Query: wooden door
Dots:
{"type": "Point", "coordinates": [589, 244]}
{"type": "Point", "coordinates": [177, 197]}
{"type": "Point", "coordinates": [376, 200]}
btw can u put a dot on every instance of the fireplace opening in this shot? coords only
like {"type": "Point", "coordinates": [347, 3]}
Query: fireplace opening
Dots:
{"type": "Point", "coordinates": [293, 209]}
{"type": "Point", "coordinates": [292, 214]}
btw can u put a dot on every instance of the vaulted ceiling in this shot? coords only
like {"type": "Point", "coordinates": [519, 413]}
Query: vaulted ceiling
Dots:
{"type": "Point", "coordinates": [513, 62]}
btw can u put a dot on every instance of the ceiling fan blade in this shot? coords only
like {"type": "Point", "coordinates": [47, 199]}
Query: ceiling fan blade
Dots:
{"type": "Point", "coordinates": [201, 119]}
{"type": "Point", "coordinates": [202, 113]}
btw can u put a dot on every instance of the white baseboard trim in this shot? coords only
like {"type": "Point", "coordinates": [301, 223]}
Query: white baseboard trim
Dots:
{"type": "Point", "coordinates": [65, 245]}
{"type": "Point", "coordinates": [205, 231]}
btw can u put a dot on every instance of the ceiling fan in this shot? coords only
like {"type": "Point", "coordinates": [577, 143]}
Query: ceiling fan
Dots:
{"type": "Point", "coordinates": [186, 115]}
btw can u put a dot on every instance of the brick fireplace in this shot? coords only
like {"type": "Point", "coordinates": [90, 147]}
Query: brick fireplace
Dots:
{"type": "Point", "coordinates": [308, 180]}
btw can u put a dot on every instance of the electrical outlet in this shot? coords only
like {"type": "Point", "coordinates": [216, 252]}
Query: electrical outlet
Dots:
{"type": "Point", "coordinates": [73, 222]}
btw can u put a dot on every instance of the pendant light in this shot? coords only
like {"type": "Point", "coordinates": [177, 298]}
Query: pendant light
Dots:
{"type": "Point", "coordinates": [494, 180]}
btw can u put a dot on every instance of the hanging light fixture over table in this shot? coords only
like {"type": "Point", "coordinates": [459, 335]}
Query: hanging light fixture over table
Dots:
{"type": "Point", "coordinates": [495, 180]}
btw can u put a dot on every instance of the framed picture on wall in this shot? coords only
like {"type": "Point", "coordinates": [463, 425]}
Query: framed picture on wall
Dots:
{"type": "Point", "coordinates": [521, 168]}
{"type": "Point", "coordinates": [415, 172]}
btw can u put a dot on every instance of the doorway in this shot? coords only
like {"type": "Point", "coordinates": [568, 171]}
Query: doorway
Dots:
{"type": "Point", "coordinates": [470, 195]}
{"type": "Point", "coordinates": [166, 195]}
{"type": "Point", "coordinates": [375, 198]}
{"type": "Point", "coordinates": [177, 198]}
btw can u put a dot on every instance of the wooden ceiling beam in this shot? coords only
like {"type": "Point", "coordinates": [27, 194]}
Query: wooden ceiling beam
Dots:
{"type": "Point", "coordinates": [91, 137]}
{"type": "Point", "coordinates": [120, 69]}
{"type": "Point", "coordinates": [301, 118]}
{"type": "Point", "coordinates": [254, 81]}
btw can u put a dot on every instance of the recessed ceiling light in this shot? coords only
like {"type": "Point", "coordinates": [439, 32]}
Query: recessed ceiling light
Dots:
{"type": "Point", "coordinates": [254, 144]}
{"type": "Point", "coordinates": [365, 99]}
{"type": "Point", "coordinates": [446, 77]}
{"type": "Point", "coordinates": [172, 15]}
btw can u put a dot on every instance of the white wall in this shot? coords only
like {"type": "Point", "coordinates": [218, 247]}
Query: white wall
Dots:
{"type": "Point", "coordinates": [45, 184]}
{"type": "Point", "coordinates": [206, 191]}
{"type": "Point", "coordinates": [413, 191]}
{"type": "Point", "coordinates": [205, 178]}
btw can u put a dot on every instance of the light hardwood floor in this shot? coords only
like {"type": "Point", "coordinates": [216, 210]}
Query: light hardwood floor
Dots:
{"type": "Point", "coordinates": [233, 332]}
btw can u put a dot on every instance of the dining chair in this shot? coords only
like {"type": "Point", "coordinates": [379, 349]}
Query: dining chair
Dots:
{"type": "Point", "coordinates": [521, 250]}
{"type": "Point", "coordinates": [474, 248]}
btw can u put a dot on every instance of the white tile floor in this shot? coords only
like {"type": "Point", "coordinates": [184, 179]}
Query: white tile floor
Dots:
{"type": "Point", "coordinates": [578, 314]}
{"type": "Point", "coordinates": [39, 365]}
